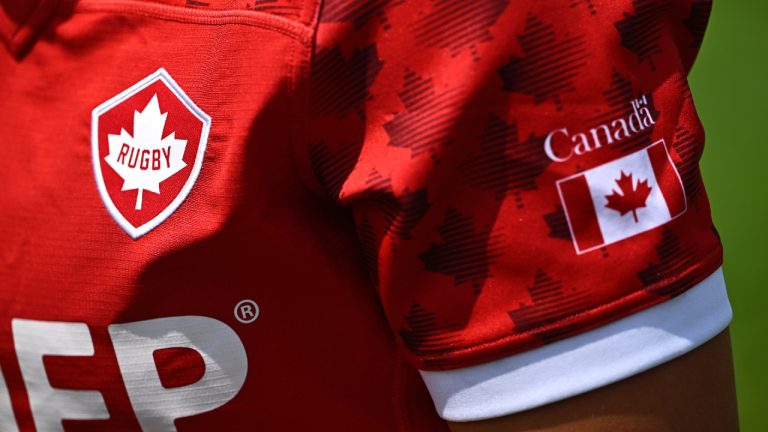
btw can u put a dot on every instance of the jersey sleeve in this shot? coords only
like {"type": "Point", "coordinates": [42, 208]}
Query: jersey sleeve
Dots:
{"type": "Point", "coordinates": [521, 177]}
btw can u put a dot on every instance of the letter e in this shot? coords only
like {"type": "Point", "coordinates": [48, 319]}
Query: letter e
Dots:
{"type": "Point", "coordinates": [7, 419]}
{"type": "Point", "coordinates": [35, 339]}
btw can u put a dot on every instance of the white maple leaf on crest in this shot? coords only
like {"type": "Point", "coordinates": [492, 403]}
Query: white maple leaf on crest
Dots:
{"type": "Point", "coordinates": [146, 159]}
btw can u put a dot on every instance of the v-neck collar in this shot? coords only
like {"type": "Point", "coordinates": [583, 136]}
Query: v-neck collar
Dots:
{"type": "Point", "coordinates": [22, 20]}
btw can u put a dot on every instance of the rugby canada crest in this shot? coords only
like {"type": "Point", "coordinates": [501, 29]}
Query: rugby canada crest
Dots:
{"type": "Point", "coordinates": [147, 145]}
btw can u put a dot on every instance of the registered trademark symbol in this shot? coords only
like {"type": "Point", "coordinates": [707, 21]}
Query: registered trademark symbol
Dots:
{"type": "Point", "coordinates": [246, 311]}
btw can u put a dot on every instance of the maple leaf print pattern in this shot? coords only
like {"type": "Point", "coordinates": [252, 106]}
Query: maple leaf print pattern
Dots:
{"type": "Point", "coordinates": [428, 118]}
{"type": "Point", "coordinates": [505, 165]}
{"type": "Point", "coordinates": [359, 12]}
{"type": "Point", "coordinates": [697, 21]}
{"type": "Point", "coordinates": [641, 32]}
{"type": "Point", "coordinates": [459, 25]}
{"type": "Point", "coordinates": [550, 301]}
{"type": "Point", "coordinates": [466, 253]}
{"type": "Point", "coordinates": [341, 84]}
{"type": "Point", "coordinates": [425, 333]}
{"type": "Point", "coordinates": [558, 59]}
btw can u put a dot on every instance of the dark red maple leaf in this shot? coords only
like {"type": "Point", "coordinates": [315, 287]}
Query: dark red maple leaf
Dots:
{"type": "Point", "coordinates": [429, 116]}
{"type": "Point", "coordinates": [550, 63]}
{"type": "Point", "coordinates": [425, 333]}
{"type": "Point", "coordinates": [359, 12]}
{"type": "Point", "coordinates": [641, 31]}
{"type": "Point", "coordinates": [342, 83]}
{"type": "Point", "coordinates": [507, 164]}
{"type": "Point", "coordinates": [629, 197]}
{"type": "Point", "coordinates": [466, 253]}
{"type": "Point", "coordinates": [459, 25]}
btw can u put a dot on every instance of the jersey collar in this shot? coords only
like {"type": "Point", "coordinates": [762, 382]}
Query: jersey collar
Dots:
{"type": "Point", "coordinates": [22, 20]}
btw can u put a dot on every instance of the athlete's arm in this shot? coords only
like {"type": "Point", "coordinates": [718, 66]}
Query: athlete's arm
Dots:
{"type": "Point", "coordinates": [694, 392]}
{"type": "Point", "coordinates": [483, 169]}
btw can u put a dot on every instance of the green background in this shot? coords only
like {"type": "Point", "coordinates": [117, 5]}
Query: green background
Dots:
{"type": "Point", "coordinates": [729, 87]}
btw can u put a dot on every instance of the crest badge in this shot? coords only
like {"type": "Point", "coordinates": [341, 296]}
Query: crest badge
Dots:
{"type": "Point", "coordinates": [147, 144]}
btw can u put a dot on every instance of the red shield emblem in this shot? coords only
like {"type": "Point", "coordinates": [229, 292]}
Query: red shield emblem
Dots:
{"type": "Point", "coordinates": [148, 144]}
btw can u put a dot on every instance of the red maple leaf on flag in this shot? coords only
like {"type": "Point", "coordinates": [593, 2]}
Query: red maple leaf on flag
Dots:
{"type": "Point", "coordinates": [629, 197]}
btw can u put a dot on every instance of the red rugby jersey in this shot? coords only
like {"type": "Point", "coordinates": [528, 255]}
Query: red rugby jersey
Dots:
{"type": "Point", "coordinates": [245, 214]}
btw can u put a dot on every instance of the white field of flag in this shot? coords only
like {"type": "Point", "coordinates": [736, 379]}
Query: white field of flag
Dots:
{"type": "Point", "coordinates": [594, 223]}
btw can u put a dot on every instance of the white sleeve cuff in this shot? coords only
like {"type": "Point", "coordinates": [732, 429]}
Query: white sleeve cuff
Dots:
{"type": "Point", "coordinates": [586, 361]}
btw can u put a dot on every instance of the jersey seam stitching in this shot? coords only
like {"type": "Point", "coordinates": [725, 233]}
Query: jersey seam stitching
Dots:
{"type": "Point", "coordinates": [293, 29]}
{"type": "Point", "coordinates": [316, 187]}
{"type": "Point", "coordinates": [565, 320]}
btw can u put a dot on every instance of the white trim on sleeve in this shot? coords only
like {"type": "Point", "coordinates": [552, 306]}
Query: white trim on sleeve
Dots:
{"type": "Point", "coordinates": [586, 361]}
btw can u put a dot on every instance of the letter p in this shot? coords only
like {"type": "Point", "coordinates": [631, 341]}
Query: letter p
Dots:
{"type": "Point", "coordinates": [156, 407]}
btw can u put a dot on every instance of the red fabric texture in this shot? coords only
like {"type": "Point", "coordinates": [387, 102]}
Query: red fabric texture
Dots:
{"type": "Point", "coordinates": [430, 121]}
{"type": "Point", "coordinates": [375, 179]}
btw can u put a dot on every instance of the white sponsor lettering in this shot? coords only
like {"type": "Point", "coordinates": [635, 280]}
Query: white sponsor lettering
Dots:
{"type": "Point", "coordinates": [7, 419]}
{"type": "Point", "coordinates": [35, 339]}
{"type": "Point", "coordinates": [156, 407]}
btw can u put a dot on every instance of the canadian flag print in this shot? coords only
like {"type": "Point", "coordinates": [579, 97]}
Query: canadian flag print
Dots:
{"type": "Point", "coordinates": [622, 198]}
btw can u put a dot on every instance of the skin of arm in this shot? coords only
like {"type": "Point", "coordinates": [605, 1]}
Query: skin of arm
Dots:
{"type": "Point", "coordinates": [694, 392]}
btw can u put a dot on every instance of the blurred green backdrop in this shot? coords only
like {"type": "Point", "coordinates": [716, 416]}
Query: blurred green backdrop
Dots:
{"type": "Point", "coordinates": [731, 93]}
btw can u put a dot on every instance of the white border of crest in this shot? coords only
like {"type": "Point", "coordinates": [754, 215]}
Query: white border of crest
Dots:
{"type": "Point", "coordinates": [161, 74]}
